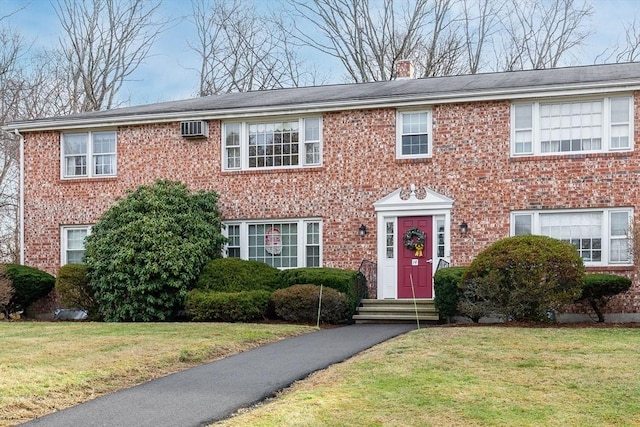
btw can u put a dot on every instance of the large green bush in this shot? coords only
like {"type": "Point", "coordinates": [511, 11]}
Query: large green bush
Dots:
{"type": "Point", "coordinates": [524, 277]}
{"type": "Point", "coordinates": [299, 303]}
{"type": "Point", "coordinates": [349, 282]}
{"type": "Point", "coordinates": [211, 306]}
{"type": "Point", "coordinates": [29, 285]}
{"type": "Point", "coordinates": [74, 291]}
{"type": "Point", "coordinates": [148, 250]}
{"type": "Point", "coordinates": [446, 286]}
{"type": "Point", "coordinates": [235, 275]}
{"type": "Point", "coordinates": [598, 289]}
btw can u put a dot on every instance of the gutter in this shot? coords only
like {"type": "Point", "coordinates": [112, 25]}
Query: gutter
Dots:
{"type": "Point", "coordinates": [21, 196]}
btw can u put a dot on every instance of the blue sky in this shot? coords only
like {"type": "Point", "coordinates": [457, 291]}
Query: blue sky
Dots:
{"type": "Point", "coordinates": [168, 73]}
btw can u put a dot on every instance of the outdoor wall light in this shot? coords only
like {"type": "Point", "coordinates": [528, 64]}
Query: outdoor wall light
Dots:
{"type": "Point", "coordinates": [464, 227]}
{"type": "Point", "coordinates": [362, 231]}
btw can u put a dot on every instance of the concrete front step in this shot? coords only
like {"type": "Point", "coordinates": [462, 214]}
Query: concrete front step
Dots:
{"type": "Point", "coordinates": [396, 311]}
{"type": "Point", "coordinates": [394, 318]}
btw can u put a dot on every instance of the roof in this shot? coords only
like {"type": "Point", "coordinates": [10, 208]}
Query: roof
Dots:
{"type": "Point", "coordinates": [401, 92]}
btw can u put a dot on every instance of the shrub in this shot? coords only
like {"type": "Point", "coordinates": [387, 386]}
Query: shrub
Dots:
{"type": "Point", "coordinates": [299, 303]}
{"type": "Point", "coordinates": [473, 302]}
{"type": "Point", "coordinates": [446, 286]}
{"type": "Point", "coordinates": [148, 250]}
{"type": "Point", "coordinates": [206, 306]}
{"type": "Point", "coordinates": [524, 277]}
{"type": "Point", "coordinates": [598, 289]}
{"type": "Point", "coordinates": [235, 275]}
{"type": "Point", "coordinates": [6, 292]}
{"type": "Point", "coordinates": [346, 281]}
{"type": "Point", "coordinates": [72, 287]}
{"type": "Point", "coordinates": [29, 285]}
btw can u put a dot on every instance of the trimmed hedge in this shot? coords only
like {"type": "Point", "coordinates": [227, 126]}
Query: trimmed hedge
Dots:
{"type": "Point", "coordinates": [346, 281]}
{"type": "Point", "coordinates": [208, 306]}
{"type": "Point", "coordinates": [29, 284]}
{"type": "Point", "coordinates": [299, 303]}
{"type": "Point", "coordinates": [446, 286]}
{"type": "Point", "coordinates": [599, 288]}
{"type": "Point", "coordinates": [236, 275]}
{"type": "Point", "coordinates": [73, 289]}
{"type": "Point", "coordinates": [524, 277]}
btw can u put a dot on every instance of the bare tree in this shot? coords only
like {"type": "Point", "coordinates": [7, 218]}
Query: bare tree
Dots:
{"type": "Point", "coordinates": [442, 49]}
{"type": "Point", "coordinates": [241, 49]}
{"type": "Point", "coordinates": [629, 50]}
{"type": "Point", "coordinates": [105, 41]}
{"type": "Point", "coordinates": [539, 34]}
{"type": "Point", "coordinates": [368, 39]}
{"type": "Point", "coordinates": [480, 21]}
{"type": "Point", "coordinates": [31, 86]}
{"type": "Point", "coordinates": [11, 49]}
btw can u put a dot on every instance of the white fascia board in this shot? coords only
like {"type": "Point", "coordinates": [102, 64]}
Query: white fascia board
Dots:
{"type": "Point", "coordinates": [320, 107]}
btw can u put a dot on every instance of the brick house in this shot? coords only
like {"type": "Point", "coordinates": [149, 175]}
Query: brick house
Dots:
{"type": "Point", "coordinates": [333, 175]}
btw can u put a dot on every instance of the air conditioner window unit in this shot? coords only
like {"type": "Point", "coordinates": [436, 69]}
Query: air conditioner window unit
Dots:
{"type": "Point", "coordinates": [194, 129]}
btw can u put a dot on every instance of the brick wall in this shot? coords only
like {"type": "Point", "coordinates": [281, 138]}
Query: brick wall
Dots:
{"type": "Point", "coordinates": [470, 164]}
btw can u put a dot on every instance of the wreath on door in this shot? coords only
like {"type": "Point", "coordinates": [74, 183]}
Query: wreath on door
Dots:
{"type": "Point", "coordinates": [414, 240]}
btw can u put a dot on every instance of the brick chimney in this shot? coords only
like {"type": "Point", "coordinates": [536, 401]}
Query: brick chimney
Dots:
{"type": "Point", "coordinates": [404, 69]}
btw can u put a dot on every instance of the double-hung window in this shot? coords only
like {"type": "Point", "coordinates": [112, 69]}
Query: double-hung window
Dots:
{"type": "Point", "coordinates": [572, 127]}
{"type": "Point", "coordinates": [413, 136]}
{"type": "Point", "coordinates": [281, 244]}
{"type": "Point", "coordinates": [272, 144]}
{"type": "Point", "coordinates": [601, 237]}
{"type": "Point", "coordinates": [88, 154]}
{"type": "Point", "coordinates": [72, 243]}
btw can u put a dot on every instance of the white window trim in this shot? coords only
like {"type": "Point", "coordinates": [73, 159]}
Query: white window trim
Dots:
{"type": "Point", "coordinates": [90, 154]}
{"type": "Point", "coordinates": [244, 143]}
{"type": "Point", "coordinates": [302, 237]}
{"type": "Point", "coordinates": [606, 229]}
{"type": "Point", "coordinates": [429, 152]}
{"type": "Point", "coordinates": [606, 125]}
{"type": "Point", "coordinates": [64, 242]}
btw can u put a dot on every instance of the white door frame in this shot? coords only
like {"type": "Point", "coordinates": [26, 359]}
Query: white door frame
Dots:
{"type": "Point", "coordinates": [403, 202]}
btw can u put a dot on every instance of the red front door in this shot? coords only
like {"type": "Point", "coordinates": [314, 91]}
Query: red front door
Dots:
{"type": "Point", "coordinates": [415, 266]}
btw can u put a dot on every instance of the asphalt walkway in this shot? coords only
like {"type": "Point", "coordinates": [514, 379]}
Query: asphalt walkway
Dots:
{"type": "Point", "coordinates": [213, 391]}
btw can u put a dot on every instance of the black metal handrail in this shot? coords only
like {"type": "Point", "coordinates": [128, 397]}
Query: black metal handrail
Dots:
{"type": "Point", "coordinates": [442, 264]}
{"type": "Point", "coordinates": [368, 270]}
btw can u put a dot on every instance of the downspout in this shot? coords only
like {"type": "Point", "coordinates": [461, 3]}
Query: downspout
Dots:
{"type": "Point", "coordinates": [21, 196]}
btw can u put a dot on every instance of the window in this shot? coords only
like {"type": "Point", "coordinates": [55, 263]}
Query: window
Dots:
{"type": "Point", "coordinates": [281, 244]}
{"type": "Point", "coordinates": [440, 245]}
{"type": "Point", "coordinates": [312, 246]}
{"type": "Point", "coordinates": [593, 125]}
{"type": "Point", "coordinates": [390, 239]}
{"type": "Point", "coordinates": [73, 238]}
{"type": "Point", "coordinates": [601, 237]}
{"type": "Point", "coordinates": [275, 144]}
{"type": "Point", "coordinates": [88, 154]}
{"type": "Point", "coordinates": [233, 246]}
{"type": "Point", "coordinates": [414, 132]}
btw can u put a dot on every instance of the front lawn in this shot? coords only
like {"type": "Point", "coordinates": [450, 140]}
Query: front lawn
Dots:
{"type": "Point", "coordinates": [46, 367]}
{"type": "Point", "coordinates": [472, 376]}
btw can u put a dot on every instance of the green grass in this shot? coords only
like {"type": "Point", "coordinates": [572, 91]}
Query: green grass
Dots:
{"type": "Point", "coordinates": [441, 376]}
{"type": "Point", "coordinates": [472, 376]}
{"type": "Point", "coordinates": [49, 366]}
